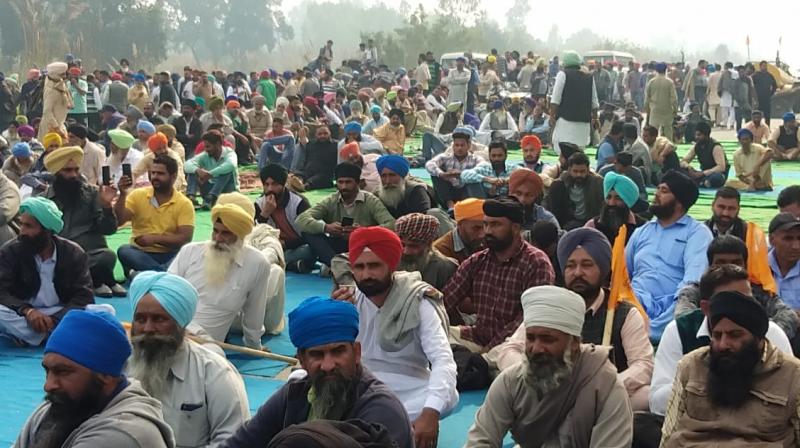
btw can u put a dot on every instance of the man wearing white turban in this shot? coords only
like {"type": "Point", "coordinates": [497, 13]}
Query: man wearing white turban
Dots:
{"type": "Point", "coordinates": [564, 393]}
{"type": "Point", "coordinates": [202, 395]}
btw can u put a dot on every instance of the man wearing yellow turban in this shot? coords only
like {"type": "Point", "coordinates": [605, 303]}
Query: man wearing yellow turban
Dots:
{"type": "Point", "coordinates": [55, 161]}
{"type": "Point", "coordinates": [231, 277]}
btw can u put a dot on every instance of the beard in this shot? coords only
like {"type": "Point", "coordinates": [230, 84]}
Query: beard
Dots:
{"type": "Point", "coordinates": [334, 393]}
{"type": "Point", "coordinates": [579, 181]}
{"type": "Point", "coordinates": [67, 190]}
{"type": "Point", "coordinates": [546, 373]}
{"type": "Point", "coordinates": [65, 414]}
{"type": "Point", "coordinates": [414, 263]}
{"type": "Point", "coordinates": [219, 259]}
{"type": "Point", "coordinates": [496, 244]}
{"type": "Point", "coordinates": [730, 375]}
{"type": "Point", "coordinates": [498, 167]}
{"type": "Point", "coordinates": [614, 216]}
{"type": "Point", "coordinates": [34, 244]}
{"type": "Point", "coordinates": [391, 195]}
{"type": "Point", "coordinates": [153, 356]}
{"type": "Point", "coordinates": [371, 287]}
{"type": "Point", "coordinates": [663, 211]}
{"type": "Point", "coordinates": [584, 289]}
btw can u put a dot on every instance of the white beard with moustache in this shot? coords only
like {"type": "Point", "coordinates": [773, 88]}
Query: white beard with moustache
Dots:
{"type": "Point", "coordinates": [415, 263]}
{"type": "Point", "coordinates": [219, 259]}
{"type": "Point", "coordinates": [151, 367]}
{"type": "Point", "coordinates": [392, 196]}
{"type": "Point", "coordinates": [544, 379]}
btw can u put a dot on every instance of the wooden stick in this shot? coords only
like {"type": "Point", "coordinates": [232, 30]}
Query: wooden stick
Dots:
{"type": "Point", "coordinates": [236, 348]}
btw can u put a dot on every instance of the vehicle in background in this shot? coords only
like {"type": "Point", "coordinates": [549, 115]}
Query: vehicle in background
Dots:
{"type": "Point", "coordinates": [603, 57]}
{"type": "Point", "coordinates": [448, 60]}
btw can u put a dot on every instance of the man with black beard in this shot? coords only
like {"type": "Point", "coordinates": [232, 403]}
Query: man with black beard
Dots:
{"type": "Point", "coordinates": [565, 393]}
{"type": "Point", "coordinates": [42, 276]}
{"type": "Point", "coordinates": [577, 195]}
{"type": "Point", "coordinates": [88, 216]}
{"type": "Point", "coordinates": [89, 400]}
{"type": "Point", "coordinates": [621, 194]}
{"type": "Point", "coordinates": [333, 385]}
{"type": "Point", "coordinates": [317, 159]}
{"type": "Point", "coordinates": [400, 193]}
{"type": "Point", "coordinates": [740, 391]}
{"type": "Point", "coordinates": [490, 179]}
{"type": "Point", "coordinates": [203, 396]}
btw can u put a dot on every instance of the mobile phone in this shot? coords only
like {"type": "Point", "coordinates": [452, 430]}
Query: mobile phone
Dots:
{"type": "Point", "coordinates": [347, 221]}
{"type": "Point", "coordinates": [106, 175]}
{"type": "Point", "coordinates": [126, 170]}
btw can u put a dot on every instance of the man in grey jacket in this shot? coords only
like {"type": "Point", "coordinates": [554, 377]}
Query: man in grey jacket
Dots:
{"type": "Point", "coordinates": [89, 402]}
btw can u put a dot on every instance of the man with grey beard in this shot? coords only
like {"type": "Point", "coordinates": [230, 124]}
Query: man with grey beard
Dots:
{"type": "Point", "coordinates": [400, 193]}
{"type": "Point", "coordinates": [231, 278]}
{"type": "Point", "coordinates": [202, 396]}
{"type": "Point", "coordinates": [564, 393]}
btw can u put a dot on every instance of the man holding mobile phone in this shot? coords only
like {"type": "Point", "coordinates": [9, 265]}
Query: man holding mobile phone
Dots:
{"type": "Point", "coordinates": [327, 226]}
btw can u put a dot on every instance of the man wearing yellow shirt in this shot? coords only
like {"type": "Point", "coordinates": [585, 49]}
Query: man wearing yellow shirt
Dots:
{"type": "Point", "coordinates": [392, 135]}
{"type": "Point", "coordinates": [752, 165]}
{"type": "Point", "coordinates": [162, 219]}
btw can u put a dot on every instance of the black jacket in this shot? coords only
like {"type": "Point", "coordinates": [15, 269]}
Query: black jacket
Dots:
{"type": "Point", "coordinates": [19, 277]}
{"type": "Point", "coordinates": [375, 403]}
{"type": "Point", "coordinates": [182, 133]}
{"type": "Point", "coordinates": [415, 200]}
{"type": "Point", "coordinates": [86, 222]}
{"type": "Point", "coordinates": [560, 205]}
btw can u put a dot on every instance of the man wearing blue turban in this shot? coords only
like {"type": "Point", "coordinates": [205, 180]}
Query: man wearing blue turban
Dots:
{"type": "Point", "coordinates": [42, 276]}
{"type": "Point", "coordinates": [89, 399]}
{"type": "Point", "coordinates": [334, 385]}
{"type": "Point", "coordinates": [621, 194]}
{"type": "Point", "coordinates": [367, 144]}
{"type": "Point", "coordinates": [400, 193]}
{"type": "Point", "coordinates": [203, 397]}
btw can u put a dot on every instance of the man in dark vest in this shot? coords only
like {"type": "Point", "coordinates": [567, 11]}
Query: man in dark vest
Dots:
{"type": "Point", "coordinates": [573, 104]}
{"type": "Point", "coordinates": [585, 258]}
{"type": "Point", "coordinates": [783, 140]}
{"type": "Point", "coordinates": [714, 165]}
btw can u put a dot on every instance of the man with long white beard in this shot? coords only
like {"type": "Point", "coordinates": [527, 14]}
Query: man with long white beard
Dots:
{"type": "Point", "coordinates": [564, 393]}
{"type": "Point", "coordinates": [230, 277]}
{"type": "Point", "coordinates": [400, 194]}
{"type": "Point", "coordinates": [336, 386]}
{"type": "Point", "coordinates": [202, 396]}
{"type": "Point", "coordinates": [402, 330]}
{"type": "Point", "coordinates": [740, 391]}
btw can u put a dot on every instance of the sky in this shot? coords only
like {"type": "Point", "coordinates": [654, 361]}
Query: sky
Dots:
{"type": "Point", "coordinates": [693, 25]}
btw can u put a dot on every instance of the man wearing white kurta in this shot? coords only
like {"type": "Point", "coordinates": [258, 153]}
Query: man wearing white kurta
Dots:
{"type": "Point", "coordinates": [574, 103]}
{"type": "Point", "coordinates": [203, 397]}
{"type": "Point", "coordinates": [402, 332]}
{"type": "Point", "coordinates": [231, 277]}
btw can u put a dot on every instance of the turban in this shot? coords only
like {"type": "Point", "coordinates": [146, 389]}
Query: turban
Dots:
{"type": "Point", "coordinates": [623, 185]}
{"type": "Point", "coordinates": [592, 241]}
{"type": "Point", "coordinates": [391, 95]}
{"type": "Point", "coordinates": [356, 106]}
{"type": "Point", "coordinates": [571, 59]}
{"type": "Point", "coordinates": [157, 141]}
{"type": "Point", "coordinates": [21, 119]}
{"type": "Point", "coordinates": [329, 97]}
{"type": "Point", "coordinates": [394, 162]}
{"type": "Point", "coordinates": [259, 99]}
{"type": "Point", "coordinates": [744, 133]}
{"type": "Point", "coordinates": [75, 71]}
{"type": "Point", "coordinates": [352, 127]}
{"type": "Point", "coordinates": [531, 140]}
{"type": "Point", "coordinates": [26, 130]}
{"type": "Point", "coordinates": [508, 208]}
{"type": "Point", "coordinates": [21, 149]}
{"type": "Point", "coordinates": [465, 131]}
{"type": "Point", "coordinates": [121, 138]}
{"type": "Point", "coordinates": [45, 211]}
{"type": "Point", "coordinates": [288, 74]}
{"type": "Point", "coordinates": [310, 101]}
{"type": "Point", "coordinates": [51, 139]}
{"type": "Point", "coordinates": [275, 172]}
{"type": "Point", "coordinates": [239, 200]}
{"type": "Point", "coordinates": [33, 74]}
{"type": "Point", "coordinates": [788, 116]}
{"type": "Point", "coordinates": [661, 67]}
{"type": "Point", "coordinates": [109, 108]}
{"type": "Point", "coordinates": [568, 149]}
{"type": "Point", "coordinates": [168, 130]}
{"type": "Point", "coordinates": [348, 150]}
{"type": "Point", "coordinates": [380, 240]}
{"type": "Point", "coordinates": [469, 209]}
{"type": "Point", "coordinates": [116, 76]}
{"type": "Point", "coordinates": [318, 321]}
{"type": "Point", "coordinates": [133, 113]}
{"type": "Point", "coordinates": [348, 170]}
{"type": "Point", "coordinates": [282, 101]}
{"type": "Point", "coordinates": [497, 104]}
{"type": "Point", "coordinates": [176, 295]}
{"type": "Point", "coordinates": [78, 130]}
{"type": "Point", "coordinates": [211, 78]}
{"type": "Point", "coordinates": [233, 104]}
{"type": "Point", "coordinates": [139, 77]}
{"type": "Point", "coordinates": [215, 102]}
{"type": "Point", "coordinates": [683, 188]}
{"type": "Point", "coordinates": [379, 92]}
{"type": "Point", "coordinates": [235, 218]}
{"type": "Point", "coordinates": [264, 74]}
{"type": "Point", "coordinates": [146, 126]}
{"type": "Point", "coordinates": [454, 106]}
{"type": "Point", "coordinates": [739, 308]}
{"type": "Point", "coordinates": [56, 68]}
{"type": "Point", "coordinates": [189, 103]}
{"type": "Point", "coordinates": [491, 59]}
{"type": "Point", "coordinates": [555, 308]}
{"type": "Point", "coordinates": [375, 109]}
{"type": "Point", "coordinates": [200, 102]}
{"type": "Point", "coordinates": [417, 227]}
{"type": "Point", "coordinates": [93, 339]}
{"type": "Point", "coordinates": [56, 160]}
{"type": "Point", "coordinates": [526, 176]}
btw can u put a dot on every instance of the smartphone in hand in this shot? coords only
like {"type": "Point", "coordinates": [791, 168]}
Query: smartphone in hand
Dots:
{"type": "Point", "coordinates": [126, 170]}
{"type": "Point", "coordinates": [106, 175]}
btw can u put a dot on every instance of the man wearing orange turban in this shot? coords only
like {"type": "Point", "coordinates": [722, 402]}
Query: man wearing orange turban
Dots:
{"type": "Point", "coordinates": [467, 237]}
{"type": "Point", "coordinates": [531, 150]}
{"type": "Point", "coordinates": [527, 186]}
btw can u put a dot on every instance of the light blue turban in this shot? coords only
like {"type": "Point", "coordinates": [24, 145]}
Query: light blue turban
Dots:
{"type": "Point", "coordinates": [21, 149]}
{"type": "Point", "coordinates": [45, 211]}
{"type": "Point", "coordinates": [375, 109]}
{"type": "Point", "coordinates": [176, 295]}
{"type": "Point", "coordinates": [623, 185]}
{"type": "Point", "coordinates": [146, 126]}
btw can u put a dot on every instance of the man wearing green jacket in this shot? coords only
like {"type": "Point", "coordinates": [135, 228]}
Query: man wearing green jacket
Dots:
{"type": "Point", "coordinates": [327, 226]}
{"type": "Point", "coordinates": [266, 87]}
{"type": "Point", "coordinates": [213, 171]}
